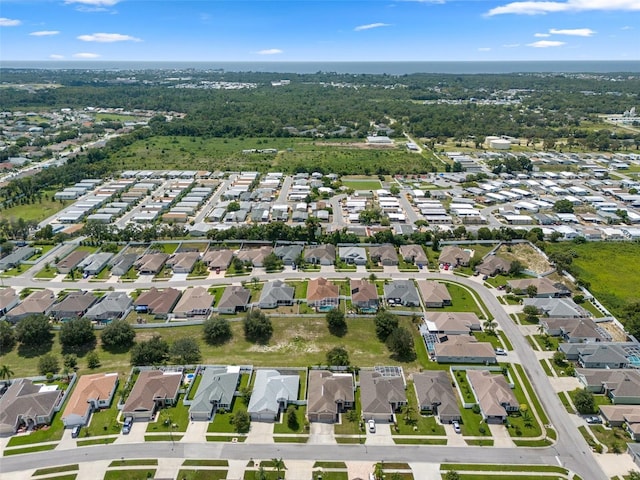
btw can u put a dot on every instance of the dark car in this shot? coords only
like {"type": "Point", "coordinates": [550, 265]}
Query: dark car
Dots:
{"type": "Point", "coordinates": [76, 431]}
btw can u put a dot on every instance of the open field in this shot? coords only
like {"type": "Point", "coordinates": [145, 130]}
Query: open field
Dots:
{"type": "Point", "coordinates": [612, 270]}
{"type": "Point", "coordinates": [37, 211]}
{"type": "Point", "coordinates": [226, 154]}
{"type": "Point", "coordinates": [527, 255]}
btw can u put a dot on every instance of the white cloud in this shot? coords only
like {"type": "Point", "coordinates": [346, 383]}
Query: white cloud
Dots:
{"type": "Point", "coordinates": [484, 49]}
{"type": "Point", "coordinates": [543, 7]}
{"type": "Point", "coordinates": [541, 35]}
{"type": "Point", "coordinates": [108, 38]}
{"type": "Point", "coordinates": [270, 51]}
{"type": "Point", "coordinates": [627, 27]}
{"type": "Point", "coordinates": [575, 32]}
{"type": "Point", "coordinates": [85, 55]}
{"type": "Point", "coordinates": [546, 44]}
{"type": "Point", "coordinates": [44, 33]}
{"type": "Point", "coordinates": [9, 22]}
{"type": "Point", "coordinates": [94, 3]}
{"type": "Point", "coordinates": [55, 56]}
{"type": "Point", "coordinates": [511, 45]}
{"type": "Point", "coordinates": [369, 26]}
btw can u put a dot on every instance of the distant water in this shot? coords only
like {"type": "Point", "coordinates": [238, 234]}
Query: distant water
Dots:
{"type": "Point", "coordinates": [390, 68]}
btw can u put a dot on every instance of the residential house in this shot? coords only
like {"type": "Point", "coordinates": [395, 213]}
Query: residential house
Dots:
{"type": "Point", "coordinates": [112, 306]}
{"type": "Point", "coordinates": [16, 257]}
{"type": "Point", "coordinates": [71, 261]}
{"type": "Point", "coordinates": [39, 302]}
{"type": "Point", "coordinates": [255, 256]}
{"type": "Point", "coordinates": [27, 404]}
{"type": "Point", "coordinates": [122, 264]}
{"type": "Point", "coordinates": [272, 392]}
{"type": "Point", "coordinates": [216, 391]}
{"type": "Point", "coordinates": [91, 393]}
{"type": "Point", "coordinates": [557, 307]}
{"type": "Point", "coordinates": [597, 355]}
{"type": "Point", "coordinates": [288, 253]}
{"type": "Point", "coordinates": [493, 265]}
{"type": "Point", "coordinates": [329, 395]}
{"type": "Point", "coordinates": [495, 397]}
{"type": "Point", "coordinates": [401, 292]}
{"type": "Point", "coordinates": [275, 294]}
{"type": "Point", "coordinates": [157, 302]}
{"type": "Point", "coordinates": [434, 294]}
{"type": "Point", "coordinates": [574, 330]}
{"type": "Point", "coordinates": [621, 386]}
{"type": "Point", "coordinates": [414, 254]}
{"type": "Point", "coordinates": [633, 449]}
{"type": "Point", "coordinates": [218, 259]}
{"type": "Point", "coordinates": [385, 255]}
{"type": "Point", "coordinates": [364, 295]}
{"type": "Point", "coordinates": [453, 323]}
{"type": "Point", "coordinates": [464, 349]}
{"type": "Point", "coordinates": [625, 416]}
{"type": "Point", "coordinates": [381, 396]}
{"type": "Point", "coordinates": [234, 299]}
{"type": "Point", "coordinates": [153, 389]}
{"type": "Point", "coordinates": [454, 256]}
{"type": "Point", "coordinates": [183, 262]}
{"type": "Point", "coordinates": [545, 288]}
{"type": "Point", "coordinates": [324, 254]}
{"type": "Point", "coordinates": [353, 255]}
{"type": "Point", "coordinates": [436, 396]}
{"type": "Point", "coordinates": [322, 293]}
{"type": "Point", "coordinates": [195, 302]}
{"type": "Point", "coordinates": [9, 298]}
{"type": "Point", "coordinates": [94, 263]}
{"type": "Point", "coordinates": [74, 305]}
{"type": "Point", "coordinates": [151, 263]}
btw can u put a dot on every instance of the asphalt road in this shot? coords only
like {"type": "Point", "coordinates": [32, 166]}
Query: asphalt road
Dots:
{"type": "Point", "coordinates": [571, 448]}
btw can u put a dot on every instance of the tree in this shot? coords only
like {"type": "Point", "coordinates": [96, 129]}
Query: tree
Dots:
{"type": "Point", "coordinates": [633, 475]}
{"type": "Point", "coordinates": [530, 310]}
{"type": "Point", "coordinates": [48, 363]}
{"type": "Point", "coordinates": [559, 358]}
{"type": "Point", "coordinates": [584, 402]}
{"type": "Point", "coordinates": [386, 323]}
{"type": "Point", "coordinates": [394, 190]}
{"type": "Point", "coordinates": [516, 268]}
{"type": "Point", "coordinates": [292, 418]}
{"type": "Point", "coordinates": [216, 330]}
{"type": "Point", "coordinates": [532, 291]}
{"type": "Point", "coordinates": [185, 351]}
{"type": "Point", "coordinates": [241, 421]}
{"type": "Point", "coordinates": [563, 206]}
{"type": "Point", "coordinates": [5, 372]}
{"type": "Point", "coordinates": [77, 334]}
{"type": "Point", "coordinates": [631, 315]}
{"type": "Point", "coordinates": [257, 327]}
{"type": "Point", "coordinates": [34, 331]}
{"type": "Point", "coordinates": [279, 465]}
{"type": "Point", "coordinates": [7, 337]}
{"type": "Point", "coordinates": [451, 475]}
{"type": "Point", "coordinates": [336, 322]}
{"type": "Point", "coordinates": [338, 357]}
{"type": "Point", "coordinates": [261, 474]}
{"type": "Point", "coordinates": [93, 360]}
{"type": "Point", "coordinates": [118, 335]}
{"type": "Point", "coordinates": [70, 361]}
{"type": "Point", "coordinates": [151, 352]}
{"type": "Point", "coordinates": [271, 262]}
{"type": "Point", "coordinates": [490, 326]}
{"type": "Point", "coordinates": [400, 342]}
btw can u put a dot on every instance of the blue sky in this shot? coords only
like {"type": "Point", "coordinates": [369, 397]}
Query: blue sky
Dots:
{"type": "Point", "coordinates": [326, 30]}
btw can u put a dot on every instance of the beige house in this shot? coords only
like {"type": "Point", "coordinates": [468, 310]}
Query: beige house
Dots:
{"type": "Point", "coordinates": [218, 259]}
{"type": "Point", "coordinates": [154, 389]}
{"type": "Point", "coordinates": [322, 293]}
{"type": "Point", "coordinates": [195, 302]}
{"type": "Point", "coordinates": [329, 395]}
{"type": "Point", "coordinates": [38, 302]}
{"type": "Point", "coordinates": [183, 262]}
{"type": "Point", "coordinates": [151, 263]}
{"type": "Point", "coordinates": [453, 323]}
{"type": "Point", "coordinates": [454, 256]}
{"type": "Point", "coordinates": [495, 398]}
{"type": "Point", "coordinates": [434, 294]}
{"type": "Point", "coordinates": [27, 404]}
{"type": "Point", "coordinates": [381, 396]}
{"type": "Point", "coordinates": [414, 254]}
{"type": "Point", "coordinates": [364, 294]}
{"type": "Point", "coordinates": [91, 393]}
{"type": "Point", "coordinates": [436, 396]}
{"type": "Point", "coordinates": [464, 349]}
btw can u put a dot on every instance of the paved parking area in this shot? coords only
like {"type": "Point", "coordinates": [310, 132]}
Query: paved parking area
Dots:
{"type": "Point", "coordinates": [136, 435]}
{"type": "Point", "coordinates": [196, 432]}
{"type": "Point", "coordinates": [261, 432]}
{"type": "Point", "coordinates": [453, 439]}
{"type": "Point", "coordinates": [382, 435]}
{"type": "Point", "coordinates": [321, 434]}
{"type": "Point", "coordinates": [501, 437]}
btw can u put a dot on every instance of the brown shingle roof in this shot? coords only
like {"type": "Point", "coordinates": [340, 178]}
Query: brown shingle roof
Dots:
{"type": "Point", "coordinates": [321, 288]}
{"type": "Point", "coordinates": [159, 302]}
{"type": "Point", "coordinates": [327, 389]}
{"type": "Point", "coordinates": [150, 386]}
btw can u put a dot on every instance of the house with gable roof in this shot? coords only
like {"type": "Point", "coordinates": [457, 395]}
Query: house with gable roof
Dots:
{"type": "Point", "coordinates": [272, 393]}
{"type": "Point", "coordinates": [216, 391]}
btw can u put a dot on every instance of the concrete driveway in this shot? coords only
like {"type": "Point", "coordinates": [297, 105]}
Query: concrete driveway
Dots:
{"type": "Point", "coordinates": [261, 432]}
{"type": "Point", "coordinates": [382, 435]}
{"type": "Point", "coordinates": [196, 432]}
{"type": "Point", "coordinates": [453, 439]}
{"type": "Point", "coordinates": [321, 434]}
{"type": "Point", "coordinates": [501, 437]}
{"type": "Point", "coordinates": [136, 435]}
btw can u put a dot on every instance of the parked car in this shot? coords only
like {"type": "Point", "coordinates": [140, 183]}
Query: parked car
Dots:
{"type": "Point", "coordinates": [372, 426]}
{"type": "Point", "coordinates": [593, 419]}
{"type": "Point", "coordinates": [456, 427]}
{"type": "Point", "coordinates": [75, 432]}
{"type": "Point", "coordinates": [128, 422]}
{"type": "Point", "coordinates": [500, 351]}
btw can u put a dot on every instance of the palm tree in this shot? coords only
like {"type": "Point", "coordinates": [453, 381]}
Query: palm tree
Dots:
{"type": "Point", "coordinates": [279, 465]}
{"type": "Point", "coordinates": [540, 329]}
{"type": "Point", "coordinates": [490, 326]}
{"type": "Point", "coordinates": [5, 372]}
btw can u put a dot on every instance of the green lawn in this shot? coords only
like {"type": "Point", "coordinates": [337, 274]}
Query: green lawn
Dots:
{"type": "Point", "coordinates": [162, 438]}
{"type": "Point", "coordinates": [129, 474]}
{"type": "Point", "coordinates": [362, 184]}
{"type": "Point", "coordinates": [171, 419]}
{"type": "Point", "coordinates": [134, 462]}
{"type": "Point", "coordinates": [479, 467]}
{"type": "Point", "coordinates": [202, 474]}
{"type": "Point", "coordinates": [590, 307]}
{"type": "Point", "coordinates": [49, 471]}
{"type": "Point", "coordinates": [36, 211]}
{"type": "Point", "coordinates": [96, 441]}
{"type": "Point", "coordinates": [205, 463]}
{"type": "Point", "coordinates": [36, 448]}
{"type": "Point", "coordinates": [222, 420]}
{"type": "Point", "coordinates": [283, 426]}
{"type": "Point", "coordinates": [472, 424]}
{"type": "Point", "coordinates": [424, 425]}
{"type": "Point", "coordinates": [615, 286]}
{"type": "Point", "coordinates": [492, 338]}
{"type": "Point", "coordinates": [614, 438]}
{"type": "Point", "coordinates": [462, 300]}
{"type": "Point", "coordinates": [46, 273]}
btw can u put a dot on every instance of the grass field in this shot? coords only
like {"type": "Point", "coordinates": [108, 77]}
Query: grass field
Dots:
{"type": "Point", "coordinates": [361, 184]}
{"type": "Point", "coordinates": [37, 211]}
{"type": "Point", "coordinates": [612, 269]}
{"type": "Point", "coordinates": [162, 153]}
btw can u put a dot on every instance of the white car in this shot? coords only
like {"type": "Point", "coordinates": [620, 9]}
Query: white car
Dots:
{"type": "Point", "coordinates": [372, 426]}
{"type": "Point", "coordinates": [456, 427]}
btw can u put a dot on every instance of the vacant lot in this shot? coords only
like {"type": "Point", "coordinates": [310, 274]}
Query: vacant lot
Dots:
{"type": "Point", "coordinates": [611, 269]}
{"type": "Point", "coordinates": [527, 255]}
